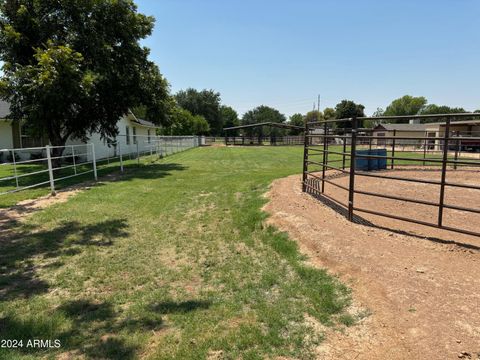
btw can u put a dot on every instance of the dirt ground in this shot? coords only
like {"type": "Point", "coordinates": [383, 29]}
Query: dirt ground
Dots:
{"type": "Point", "coordinates": [9, 216]}
{"type": "Point", "coordinates": [428, 192]}
{"type": "Point", "coordinates": [19, 212]}
{"type": "Point", "coordinates": [421, 285]}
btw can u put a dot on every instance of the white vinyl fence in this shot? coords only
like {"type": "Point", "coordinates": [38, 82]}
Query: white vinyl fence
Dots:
{"type": "Point", "coordinates": [27, 168]}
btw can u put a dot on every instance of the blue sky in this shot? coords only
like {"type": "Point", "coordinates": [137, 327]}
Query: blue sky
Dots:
{"type": "Point", "coordinates": [283, 53]}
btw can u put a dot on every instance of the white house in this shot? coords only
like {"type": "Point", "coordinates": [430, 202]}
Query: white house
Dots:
{"type": "Point", "coordinates": [7, 132]}
{"type": "Point", "coordinates": [134, 134]}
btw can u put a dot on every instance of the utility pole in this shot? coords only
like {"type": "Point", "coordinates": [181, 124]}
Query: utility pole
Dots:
{"type": "Point", "coordinates": [318, 103]}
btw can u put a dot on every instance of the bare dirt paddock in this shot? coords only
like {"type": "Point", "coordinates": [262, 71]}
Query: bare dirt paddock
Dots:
{"type": "Point", "coordinates": [421, 284]}
{"type": "Point", "coordinates": [456, 196]}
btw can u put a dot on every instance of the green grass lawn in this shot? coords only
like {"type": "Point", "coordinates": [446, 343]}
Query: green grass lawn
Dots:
{"type": "Point", "coordinates": [171, 261]}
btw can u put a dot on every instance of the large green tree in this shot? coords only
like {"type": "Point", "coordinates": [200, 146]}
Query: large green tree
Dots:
{"type": "Point", "coordinates": [75, 67]}
{"type": "Point", "coordinates": [329, 113]}
{"type": "Point", "coordinates": [348, 109]}
{"type": "Point", "coordinates": [406, 105]}
{"type": "Point", "coordinates": [262, 114]}
{"type": "Point", "coordinates": [205, 103]}
{"type": "Point", "coordinates": [184, 123]}
{"type": "Point", "coordinates": [297, 120]}
{"type": "Point", "coordinates": [314, 115]}
{"type": "Point", "coordinates": [229, 118]}
{"type": "Point", "coordinates": [442, 109]}
{"type": "Point", "coordinates": [433, 109]}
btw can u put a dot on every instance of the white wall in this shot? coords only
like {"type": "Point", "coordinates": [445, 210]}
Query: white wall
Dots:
{"type": "Point", "coordinates": [6, 138]}
{"type": "Point", "coordinates": [103, 150]}
{"type": "Point", "coordinates": [141, 137]}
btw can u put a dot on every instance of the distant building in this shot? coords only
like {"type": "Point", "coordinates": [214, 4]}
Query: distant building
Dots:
{"type": "Point", "coordinates": [406, 131]}
{"type": "Point", "coordinates": [466, 131]}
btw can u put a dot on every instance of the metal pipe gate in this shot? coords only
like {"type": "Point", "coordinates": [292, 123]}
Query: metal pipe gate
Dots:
{"type": "Point", "coordinates": [347, 135]}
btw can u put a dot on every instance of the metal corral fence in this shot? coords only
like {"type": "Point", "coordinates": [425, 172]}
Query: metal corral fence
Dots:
{"type": "Point", "coordinates": [356, 151]}
{"type": "Point", "coordinates": [213, 140]}
{"type": "Point", "coordinates": [26, 168]}
{"type": "Point", "coordinates": [264, 140]}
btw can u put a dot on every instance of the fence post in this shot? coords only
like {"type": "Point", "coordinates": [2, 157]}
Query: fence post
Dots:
{"type": "Point", "coordinates": [325, 155]}
{"type": "Point", "coordinates": [94, 161]}
{"type": "Point", "coordinates": [121, 158]}
{"type": "Point", "coordinates": [344, 150]}
{"type": "Point", "coordinates": [393, 147]}
{"type": "Point", "coordinates": [459, 144]}
{"type": "Point", "coordinates": [73, 160]}
{"type": "Point", "coordinates": [14, 167]}
{"type": "Point", "coordinates": [50, 170]}
{"type": "Point", "coordinates": [444, 171]}
{"type": "Point", "coordinates": [305, 157]}
{"type": "Point", "coordinates": [425, 149]}
{"type": "Point", "coordinates": [457, 147]}
{"type": "Point", "coordinates": [138, 156]}
{"type": "Point", "coordinates": [351, 187]}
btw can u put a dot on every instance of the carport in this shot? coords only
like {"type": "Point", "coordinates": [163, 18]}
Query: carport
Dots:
{"type": "Point", "coordinates": [260, 139]}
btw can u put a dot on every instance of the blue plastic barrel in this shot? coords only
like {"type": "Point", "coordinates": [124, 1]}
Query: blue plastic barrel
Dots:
{"type": "Point", "coordinates": [373, 162]}
{"type": "Point", "coordinates": [360, 162]}
{"type": "Point", "coordinates": [382, 162]}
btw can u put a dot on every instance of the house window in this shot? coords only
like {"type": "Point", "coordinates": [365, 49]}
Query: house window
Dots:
{"type": "Point", "coordinates": [134, 134]}
{"type": "Point", "coordinates": [127, 132]}
{"type": "Point", "coordinates": [148, 136]}
{"type": "Point", "coordinates": [28, 140]}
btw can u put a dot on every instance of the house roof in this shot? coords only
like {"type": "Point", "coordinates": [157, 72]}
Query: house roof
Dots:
{"type": "Point", "coordinates": [401, 127]}
{"type": "Point", "coordinates": [4, 109]}
{"type": "Point", "coordinates": [145, 123]}
{"type": "Point", "coordinates": [131, 116]}
{"type": "Point", "coordinates": [460, 122]}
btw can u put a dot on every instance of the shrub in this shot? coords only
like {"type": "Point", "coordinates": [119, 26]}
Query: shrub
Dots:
{"type": "Point", "coordinates": [10, 157]}
{"type": "Point", "coordinates": [36, 156]}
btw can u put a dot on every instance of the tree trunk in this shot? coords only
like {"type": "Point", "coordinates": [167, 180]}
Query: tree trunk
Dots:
{"type": "Point", "coordinates": [58, 147]}
{"type": "Point", "coordinates": [56, 154]}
